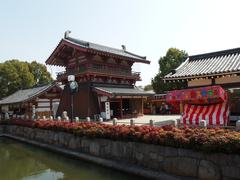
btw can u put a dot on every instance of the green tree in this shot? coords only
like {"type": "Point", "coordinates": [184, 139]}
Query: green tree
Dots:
{"type": "Point", "coordinates": [148, 87]}
{"type": "Point", "coordinates": [173, 58]}
{"type": "Point", "coordinates": [15, 75]}
{"type": "Point", "coordinates": [40, 73]}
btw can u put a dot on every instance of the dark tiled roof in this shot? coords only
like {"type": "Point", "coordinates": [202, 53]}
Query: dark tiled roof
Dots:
{"type": "Point", "coordinates": [215, 63]}
{"type": "Point", "coordinates": [106, 49]}
{"type": "Point", "coordinates": [24, 95]}
{"type": "Point", "coordinates": [123, 91]}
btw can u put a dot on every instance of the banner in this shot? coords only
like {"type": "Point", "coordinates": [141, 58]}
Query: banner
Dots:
{"type": "Point", "coordinates": [204, 95]}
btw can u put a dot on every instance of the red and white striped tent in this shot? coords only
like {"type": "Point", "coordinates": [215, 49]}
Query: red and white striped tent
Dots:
{"type": "Point", "coordinates": [207, 103]}
{"type": "Point", "coordinates": [215, 114]}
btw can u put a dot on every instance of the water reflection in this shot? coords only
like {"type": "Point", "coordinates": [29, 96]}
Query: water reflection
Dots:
{"type": "Point", "coordinates": [47, 174]}
{"type": "Point", "coordinates": [21, 161]}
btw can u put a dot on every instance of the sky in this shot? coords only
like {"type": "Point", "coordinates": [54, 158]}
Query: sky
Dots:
{"type": "Point", "coordinates": [30, 30]}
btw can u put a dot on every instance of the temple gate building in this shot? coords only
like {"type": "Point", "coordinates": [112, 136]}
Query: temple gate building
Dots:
{"type": "Point", "coordinates": [106, 82]}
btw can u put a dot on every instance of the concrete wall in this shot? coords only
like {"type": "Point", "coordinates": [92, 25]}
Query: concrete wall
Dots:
{"type": "Point", "coordinates": [179, 162]}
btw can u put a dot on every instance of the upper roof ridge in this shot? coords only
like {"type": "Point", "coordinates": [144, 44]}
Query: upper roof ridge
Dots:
{"type": "Point", "coordinates": [143, 57]}
{"type": "Point", "coordinates": [215, 53]}
{"type": "Point", "coordinates": [88, 44]}
{"type": "Point", "coordinates": [78, 41]}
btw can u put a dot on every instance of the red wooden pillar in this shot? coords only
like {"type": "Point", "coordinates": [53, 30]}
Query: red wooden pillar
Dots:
{"type": "Point", "coordinates": [121, 112]}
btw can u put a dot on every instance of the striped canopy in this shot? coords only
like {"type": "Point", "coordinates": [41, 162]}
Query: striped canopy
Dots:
{"type": "Point", "coordinates": [215, 114]}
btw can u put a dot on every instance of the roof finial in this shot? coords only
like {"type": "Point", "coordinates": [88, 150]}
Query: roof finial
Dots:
{"type": "Point", "coordinates": [66, 34]}
{"type": "Point", "coordinates": [123, 47]}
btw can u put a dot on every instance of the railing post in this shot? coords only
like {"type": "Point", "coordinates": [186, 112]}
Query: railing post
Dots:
{"type": "Point", "coordinates": [114, 121]}
{"type": "Point", "coordinates": [151, 122]}
{"type": "Point", "coordinates": [238, 125]}
{"type": "Point", "coordinates": [67, 119]}
{"type": "Point", "coordinates": [203, 124]}
{"type": "Point", "coordinates": [132, 122]}
{"type": "Point", "coordinates": [178, 122]}
{"type": "Point", "coordinates": [76, 119]}
{"type": "Point", "coordinates": [64, 115]}
{"type": "Point", "coordinates": [88, 119]}
{"type": "Point", "coordinates": [100, 119]}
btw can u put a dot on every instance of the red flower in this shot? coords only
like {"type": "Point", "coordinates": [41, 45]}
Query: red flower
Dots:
{"type": "Point", "coordinates": [210, 140]}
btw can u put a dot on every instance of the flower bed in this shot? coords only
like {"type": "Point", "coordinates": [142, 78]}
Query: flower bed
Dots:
{"type": "Point", "coordinates": [207, 140]}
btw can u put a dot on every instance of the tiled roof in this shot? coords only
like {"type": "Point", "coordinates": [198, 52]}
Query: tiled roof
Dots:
{"type": "Point", "coordinates": [105, 49]}
{"type": "Point", "coordinates": [215, 63]}
{"type": "Point", "coordinates": [123, 91]}
{"type": "Point", "coordinates": [24, 95]}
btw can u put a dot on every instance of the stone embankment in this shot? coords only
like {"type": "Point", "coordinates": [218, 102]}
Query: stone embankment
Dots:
{"type": "Point", "coordinates": [143, 159]}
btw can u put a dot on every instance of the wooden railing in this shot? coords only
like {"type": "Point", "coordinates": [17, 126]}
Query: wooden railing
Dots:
{"type": "Point", "coordinates": [106, 71]}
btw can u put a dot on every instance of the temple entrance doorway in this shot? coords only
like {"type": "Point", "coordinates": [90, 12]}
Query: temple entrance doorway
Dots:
{"type": "Point", "coordinates": [126, 110]}
{"type": "Point", "coordinates": [115, 109]}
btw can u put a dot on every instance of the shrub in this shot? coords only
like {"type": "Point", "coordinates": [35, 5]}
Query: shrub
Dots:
{"type": "Point", "coordinates": [207, 140]}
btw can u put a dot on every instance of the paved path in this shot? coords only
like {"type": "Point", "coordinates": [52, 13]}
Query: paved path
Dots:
{"type": "Point", "coordinates": [158, 119]}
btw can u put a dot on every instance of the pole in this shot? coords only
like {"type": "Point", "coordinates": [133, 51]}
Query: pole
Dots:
{"type": "Point", "coordinates": [72, 106]}
{"type": "Point", "coordinates": [181, 107]}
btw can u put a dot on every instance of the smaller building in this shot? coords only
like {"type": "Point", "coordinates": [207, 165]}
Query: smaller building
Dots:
{"type": "Point", "coordinates": [157, 104]}
{"type": "Point", "coordinates": [30, 103]}
{"type": "Point", "coordinates": [221, 68]}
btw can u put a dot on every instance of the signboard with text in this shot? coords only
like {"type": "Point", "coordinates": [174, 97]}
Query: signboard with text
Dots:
{"type": "Point", "coordinates": [107, 110]}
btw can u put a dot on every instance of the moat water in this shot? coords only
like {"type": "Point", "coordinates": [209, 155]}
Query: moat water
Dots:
{"type": "Point", "coordinates": [19, 161]}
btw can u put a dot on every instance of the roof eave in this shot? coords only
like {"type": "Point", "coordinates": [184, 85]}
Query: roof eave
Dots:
{"type": "Point", "coordinates": [50, 60]}
{"type": "Point", "coordinates": [129, 94]}
{"type": "Point", "coordinates": [34, 96]}
{"type": "Point", "coordinates": [199, 76]}
{"type": "Point", "coordinates": [100, 91]}
{"type": "Point", "coordinates": [91, 50]}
